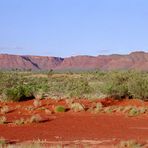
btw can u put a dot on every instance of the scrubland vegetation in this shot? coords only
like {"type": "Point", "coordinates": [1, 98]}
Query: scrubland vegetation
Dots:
{"type": "Point", "coordinates": [19, 86]}
{"type": "Point", "coordinates": [43, 144]}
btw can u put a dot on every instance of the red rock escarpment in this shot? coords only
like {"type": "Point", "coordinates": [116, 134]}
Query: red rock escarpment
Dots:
{"type": "Point", "coordinates": [134, 60]}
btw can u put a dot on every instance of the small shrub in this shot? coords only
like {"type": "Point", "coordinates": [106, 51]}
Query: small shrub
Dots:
{"type": "Point", "coordinates": [17, 93]}
{"type": "Point", "coordinates": [58, 109]}
{"type": "Point", "coordinates": [116, 85]}
{"type": "Point", "coordinates": [77, 87]}
{"type": "Point", "coordinates": [21, 87]}
{"type": "Point", "coordinates": [3, 120]}
{"type": "Point", "coordinates": [138, 86]}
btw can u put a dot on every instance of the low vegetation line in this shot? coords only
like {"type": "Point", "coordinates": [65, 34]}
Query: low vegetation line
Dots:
{"type": "Point", "coordinates": [20, 86]}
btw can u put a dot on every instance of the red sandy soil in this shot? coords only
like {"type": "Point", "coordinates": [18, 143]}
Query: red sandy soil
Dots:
{"type": "Point", "coordinates": [69, 126]}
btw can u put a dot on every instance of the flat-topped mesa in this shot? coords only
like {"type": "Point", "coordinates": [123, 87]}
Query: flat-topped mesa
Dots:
{"type": "Point", "coordinates": [78, 62]}
{"type": "Point", "coordinates": [45, 62]}
{"type": "Point", "coordinates": [135, 60]}
{"type": "Point", "coordinates": [15, 62]}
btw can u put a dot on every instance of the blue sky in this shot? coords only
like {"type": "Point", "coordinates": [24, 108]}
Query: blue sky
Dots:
{"type": "Point", "coordinates": [73, 27]}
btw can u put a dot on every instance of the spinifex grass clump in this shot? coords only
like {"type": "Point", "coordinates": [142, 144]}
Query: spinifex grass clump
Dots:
{"type": "Point", "coordinates": [96, 107]}
{"type": "Point", "coordinates": [69, 101]}
{"type": "Point", "coordinates": [3, 119]}
{"type": "Point", "coordinates": [133, 112]}
{"type": "Point", "coordinates": [111, 109]}
{"type": "Point", "coordinates": [59, 109]}
{"type": "Point", "coordinates": [77, 107]}
{"type": "Point", "coordinates": [129, 144]}
{"type": "Point", "coordinates": [5, 109]}
{"type": "Point", "coordinates": [35, 119]}
{"type": "Point", "coordinates": [28, 145]}
{"type": "Point", "coordinates": [37, 103]}
{"type": "Point", "coordinates": [2, 141]}
{"type": "Point", "coordinates": [99, 107]}
{"type": "Point", "coordinates": [126, 109]}
{"type": "Point", "coordinates": [39, 94]}
{"type": "Point", "coordinates": [47, 111]}
{"type": "Point", "coordinates": [143, 110]}
{"type": "Point", "coordinates": [29, 108]}
{"type": "Point", "coordinates": [130, 111]}
{"type": "Point", "coordinates": [19, 121]}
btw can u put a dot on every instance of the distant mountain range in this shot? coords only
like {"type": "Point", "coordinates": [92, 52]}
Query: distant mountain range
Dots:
{"type": "Point", "coordinates": [135, 60]}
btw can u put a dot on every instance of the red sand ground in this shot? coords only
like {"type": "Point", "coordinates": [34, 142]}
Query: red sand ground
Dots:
{"type": "Point", "coordinates": [70, 126]}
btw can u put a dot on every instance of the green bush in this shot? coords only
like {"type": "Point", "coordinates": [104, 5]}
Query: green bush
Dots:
{"type": "Point", "coordinates": [59, 109]}
{"type": "Point", "coordinates": [69, 87]}
{"type": "Point", "coordinates": [129, 84]}
{"type": "Point", "coordinates": [115, 84]}
{"type": "Point", "coordinates": [17, 93]}
{"type": "Point", "coordinates": [138, 86]}
{"type": "Point", "coordinates": [78, 87]}
{"type": "Point", "coordinates": [14, 87]}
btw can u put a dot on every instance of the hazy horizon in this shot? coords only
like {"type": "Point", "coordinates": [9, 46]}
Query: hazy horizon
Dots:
{"type": "Point", "coordinates": [69, 28]}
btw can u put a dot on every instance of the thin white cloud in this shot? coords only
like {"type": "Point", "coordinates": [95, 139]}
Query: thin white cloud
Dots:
{"type": "Point", "coordinates": [104, 50]}
{"type": "Point", "coordinates": [3, 48]}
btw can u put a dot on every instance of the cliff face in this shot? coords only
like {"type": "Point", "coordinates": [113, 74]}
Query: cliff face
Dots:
{"type": "Point", "coordinates": [135, 60]}
{"type": "Point", "coordinates": [28, 62]}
